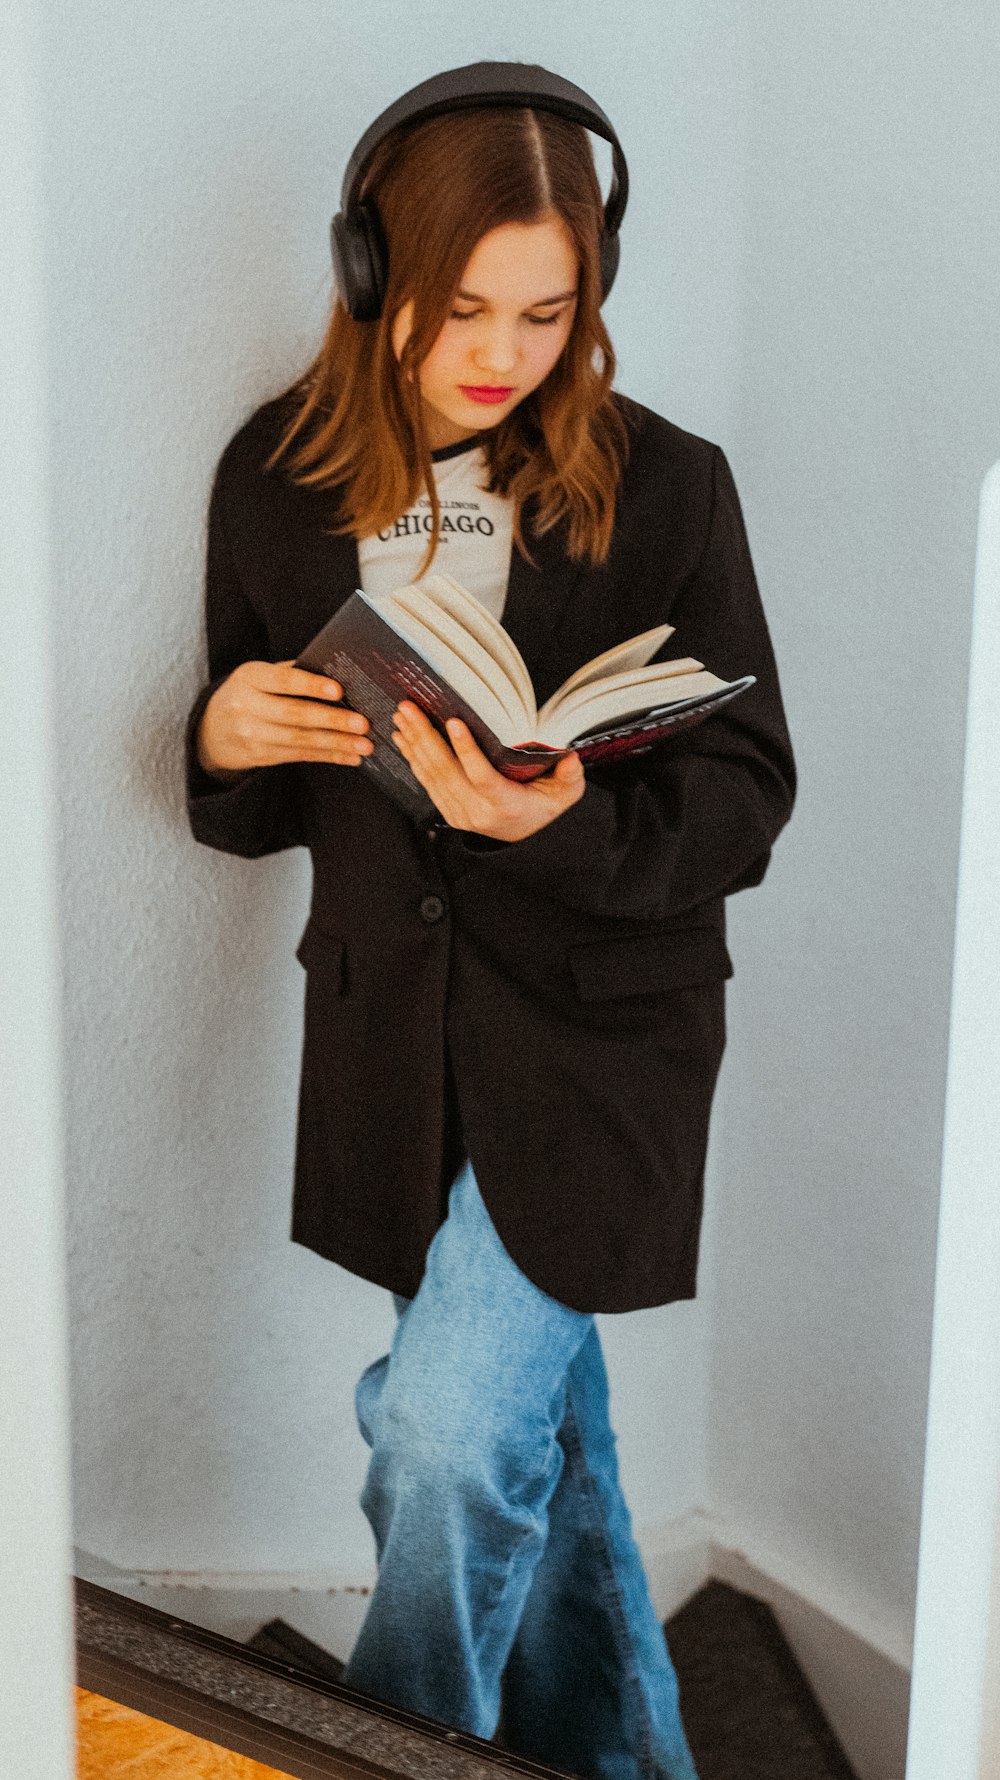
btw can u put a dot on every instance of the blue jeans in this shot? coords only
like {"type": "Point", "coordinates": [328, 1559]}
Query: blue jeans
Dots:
{"type": "Point", "coordinates": [508, 1575]}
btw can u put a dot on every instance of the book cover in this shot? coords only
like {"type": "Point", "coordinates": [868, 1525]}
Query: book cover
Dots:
{"type": "Point", "coordinates": [377, 666]}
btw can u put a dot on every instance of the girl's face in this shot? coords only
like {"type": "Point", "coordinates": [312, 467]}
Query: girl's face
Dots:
{"type": "Point", "coordinates": [511, 319]}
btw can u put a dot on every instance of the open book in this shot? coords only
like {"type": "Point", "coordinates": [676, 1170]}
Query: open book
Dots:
{"type": "Point", "coordinates": [436, 644]}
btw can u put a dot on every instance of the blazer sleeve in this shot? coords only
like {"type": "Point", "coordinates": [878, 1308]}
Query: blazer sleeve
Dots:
{"type": "Point", "coordinates": [257, 811]}
{"type": "Point", "coordinates": [697, 817]}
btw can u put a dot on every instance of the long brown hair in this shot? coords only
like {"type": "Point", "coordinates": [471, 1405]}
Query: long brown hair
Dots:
{"type": "Point", "coordinates": [439, 186]}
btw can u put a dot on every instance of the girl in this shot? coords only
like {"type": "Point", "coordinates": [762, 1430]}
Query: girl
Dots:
{"type": "Point", "coordinates": [514, 1013]}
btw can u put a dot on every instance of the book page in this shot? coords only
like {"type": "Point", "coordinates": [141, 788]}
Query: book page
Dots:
{"type": "Point", "coordinates": [633, 653]}
{"type": "Point", "coordinates": [446, 661]}
{"type": "Point", "coordinates": [599, 705]}
{"type": "Point", "coordinates": [439, 628]}
{"type": "Point", "coordinates": [654, 674]}
{"type": "Point", "coordinates": [487, 630]}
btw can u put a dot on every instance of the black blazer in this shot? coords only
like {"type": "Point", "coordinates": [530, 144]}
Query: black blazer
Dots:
{"type": "Point", "coordinates": [552, 1007]}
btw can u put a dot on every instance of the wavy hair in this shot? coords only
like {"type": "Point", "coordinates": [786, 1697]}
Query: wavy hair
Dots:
{"type": "Point", "coordinates": [441, 185]}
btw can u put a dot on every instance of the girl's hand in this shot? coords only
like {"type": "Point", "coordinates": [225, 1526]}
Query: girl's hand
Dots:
{"type": "Point", "coordinates": [469, 792]}
{"type": "Point", "coordinates": [265, 713]}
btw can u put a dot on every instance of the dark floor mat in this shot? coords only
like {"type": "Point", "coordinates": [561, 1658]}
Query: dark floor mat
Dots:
{"type": "Point", "coordinates": [748, 1710]}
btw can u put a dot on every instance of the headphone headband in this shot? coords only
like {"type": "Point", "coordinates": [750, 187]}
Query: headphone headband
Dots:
{"type": "Point", "coordinates": [357, 239]}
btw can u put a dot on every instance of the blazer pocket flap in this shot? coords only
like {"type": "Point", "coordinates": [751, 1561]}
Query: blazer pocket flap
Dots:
{"type": "Point", "coordinates": [318, 949]}
{"type": "Point", "coordinates": [649, 963]}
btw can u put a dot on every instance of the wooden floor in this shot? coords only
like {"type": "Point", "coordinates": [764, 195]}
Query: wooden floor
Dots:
{"type": "Point", "coordinates": [116, 1743]}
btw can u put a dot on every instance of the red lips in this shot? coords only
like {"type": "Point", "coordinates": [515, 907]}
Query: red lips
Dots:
{"type": "Point", "coordinates": [487, 394]}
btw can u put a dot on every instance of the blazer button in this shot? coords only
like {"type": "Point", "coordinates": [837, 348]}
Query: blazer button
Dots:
{"type": "Point", "coordinates": [431, 908]}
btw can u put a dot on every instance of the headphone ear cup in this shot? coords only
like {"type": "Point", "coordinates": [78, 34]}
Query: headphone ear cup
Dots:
{"type": "Point", "coordinates": [610, 254]}
{"type": "Point", "coordinates": [360, 260]}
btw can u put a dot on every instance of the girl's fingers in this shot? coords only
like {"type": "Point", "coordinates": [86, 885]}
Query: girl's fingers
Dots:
{"type": "Point", "coordinates": [318, 744]}
{"type": "Point", "coordinates": [425, 744]}
{"type": "Point", "coordinates": [448, 772]}
{"type": "Point", "coordinates": [303, 683]}
{"type": "Point", "coordinates": [312, 714]}
{"type": "Point", "coordinates": [464, 752]}
{"type": "Point", "coordinates": [569, 769]}
{"type": "Point", "coordinates": [481, 770]}
{"type": "Point", "coordinates": [478, 769]}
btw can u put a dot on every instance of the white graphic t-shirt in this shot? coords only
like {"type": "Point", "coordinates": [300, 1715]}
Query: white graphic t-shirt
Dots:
{"type": "Point", "coordinates": [476, 532]}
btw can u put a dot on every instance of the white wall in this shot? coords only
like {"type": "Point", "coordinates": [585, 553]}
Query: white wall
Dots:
{"type": "Point", "coordinates": [955, 1716]}
{"type": "Point", "coordinates": [36, 1644]}
{"type": "Point", "coordinates": [804, 278]}
{"type": "Point", "coordinates": [868, 401]}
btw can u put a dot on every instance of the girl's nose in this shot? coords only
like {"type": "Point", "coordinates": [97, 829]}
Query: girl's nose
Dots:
{"type": "Point", "coordinates": [497, 353]}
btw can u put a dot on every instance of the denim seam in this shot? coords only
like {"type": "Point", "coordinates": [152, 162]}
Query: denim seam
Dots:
{"type": "Point", "coordinates": [616, 1604]}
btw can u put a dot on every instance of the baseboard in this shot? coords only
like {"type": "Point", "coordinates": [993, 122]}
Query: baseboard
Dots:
{"type": "Point", "coordinates": [858, 1669]}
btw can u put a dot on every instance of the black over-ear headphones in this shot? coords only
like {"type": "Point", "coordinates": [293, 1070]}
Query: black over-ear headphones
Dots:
{"type": "Point", "coordinates": [357, 238]}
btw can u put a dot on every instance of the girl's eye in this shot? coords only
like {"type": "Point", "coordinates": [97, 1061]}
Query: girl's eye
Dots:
{"type": "Point", "coordinates": [539, 321]}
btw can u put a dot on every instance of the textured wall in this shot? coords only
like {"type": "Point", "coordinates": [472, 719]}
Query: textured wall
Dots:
{"type": "Point", "coordinates": [36, 1630]}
